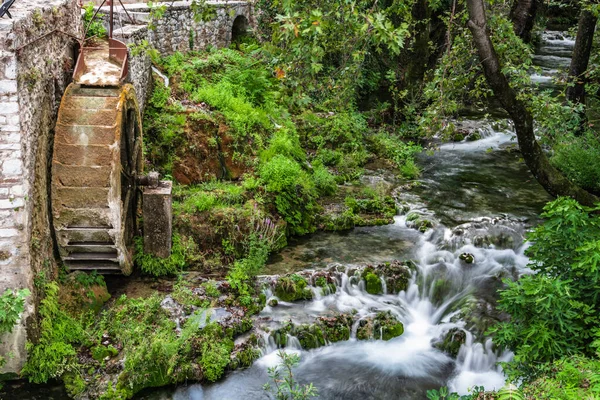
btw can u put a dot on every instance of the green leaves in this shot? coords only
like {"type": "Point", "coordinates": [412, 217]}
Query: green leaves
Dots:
{"type": "Point", "coordinates": [12, 304]}
{"type": "Point", "coordinates": [555, 311]}
{"type": "Point", "coordinates": [286, 387]}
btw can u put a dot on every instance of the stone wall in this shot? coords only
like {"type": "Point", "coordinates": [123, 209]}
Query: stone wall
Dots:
{"type": "Point", "coordinates": [180, 30]}
{"type": "Point", "coordinates": [36, 61]}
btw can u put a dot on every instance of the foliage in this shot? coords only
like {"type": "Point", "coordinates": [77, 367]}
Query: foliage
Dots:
{"type": "Point", "coordinates": [294, 192]}
{"type": "Point", "coordinates": [54, 354]}
{"type": "Point", "coordinates": [554, 312]}
{"type": "Point", "coordinates": [570, 378]}
{"type": "Point", "coordinates": [317, 63]}
{"type": "Point", "coordinates": [94, 27]}
{"type": "Point", "coordinates": [181, 250]}
{"type": "Point", "coordinates": [12, 304]}
{"type": "Point", "coordinates": [286, 387]}
{"type": "Point", "coordinates": [397, 151]}
{"type": "Point", "coordinates": [244, 270]}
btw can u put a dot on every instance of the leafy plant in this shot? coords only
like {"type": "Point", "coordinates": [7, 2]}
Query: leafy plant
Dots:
{"type": "Point", "coordinates": [94, 27]}
{"type": "Point", "coordinates": [285, 385]}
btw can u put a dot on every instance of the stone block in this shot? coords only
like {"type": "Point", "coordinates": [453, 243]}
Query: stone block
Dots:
{"type": "Point", "coordinates": [158, 219]}
{"type": "Point", "coordinates": [12, 167]}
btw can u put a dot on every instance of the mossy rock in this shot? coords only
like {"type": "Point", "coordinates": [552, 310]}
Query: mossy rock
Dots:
{"type": "Point", "coordinates": [396, 275]}
{"type": "Point", "coordinates": [293, 288]}
{"type": "Point", "coordinates": [384, 326]}
{"type": "Point", "coordinates": [245, 354]}
{"type": "Point", "coordinates": [310, 336]}
{"type": "Point", "coordinates": [82, 292]}
{"type": "Point", "coordinates": [373, 284]}
{"type": "Point", "coordinates": [336, 328]}
{"type": "Point", "coordinates": [439, 291]}
{"type": "Point", "coordinates": [326, 283]}
{"type": "Point", "coordinates": [452, 342]}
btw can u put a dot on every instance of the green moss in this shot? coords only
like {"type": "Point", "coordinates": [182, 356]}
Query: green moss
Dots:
{"type": "Point", "coordinates": [327, 286]}
{"type": "Point", "coordinates": [440, 289]}
{"type": "Point", "coordinates": [244, 358]}
{"type": "Point", "coordinates": [310, 336]}
{"type": "Point", "coordinates": [384, 326]}
{"type": "Point", "coordinates": [372, 282]}
{"type": "Point", "coordinates": [74, 384]}
{"type": "Point", "coordinates": [336, 328]}
{"type": "Point", "coordinates": [293, 288]}
{"type": "Point", "coordinates": [100, 352]}
{"type": "Point", "coordinates": [452, 341]}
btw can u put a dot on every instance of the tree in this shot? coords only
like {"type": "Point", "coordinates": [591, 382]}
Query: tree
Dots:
{"type": "Point", "coordinates": [547, 175]}
{"type": "Point", "coordinates": [581, 56]}
{"type": "Point", "coordinates": [522, 16]}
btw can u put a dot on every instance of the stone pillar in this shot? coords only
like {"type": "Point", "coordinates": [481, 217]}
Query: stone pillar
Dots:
{"type": "Point", "coordinates": [158, 219]}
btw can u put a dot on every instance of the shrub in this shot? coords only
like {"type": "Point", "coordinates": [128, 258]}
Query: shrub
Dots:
{"type": "Point", "coordinates": [294, 193]}
{"type": "Point", "coordinates": [554, 313]}
{"type": "Point", "coordinates": [324, 180]}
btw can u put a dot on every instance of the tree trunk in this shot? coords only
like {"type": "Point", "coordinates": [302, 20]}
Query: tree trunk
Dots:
{"type": "Point", "coordinates": [522, 16]}
{"type": "Point", "coordinates": [549, 177]}
{"type": "Point", "coordinates": [581, 57]}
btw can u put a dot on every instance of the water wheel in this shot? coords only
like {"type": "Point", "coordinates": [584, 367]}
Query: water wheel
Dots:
{"type": "Point", "coordinates": [96, 161]}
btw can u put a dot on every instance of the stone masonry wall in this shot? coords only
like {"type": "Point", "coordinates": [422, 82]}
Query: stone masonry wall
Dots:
{"type": "Point", "coordinates": [36, 60]}
{"type": "Point", "coordinates": [179, 29]}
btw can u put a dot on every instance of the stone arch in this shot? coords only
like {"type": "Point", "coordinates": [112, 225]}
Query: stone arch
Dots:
{"type": "Point", "coordinates": [240, 28]}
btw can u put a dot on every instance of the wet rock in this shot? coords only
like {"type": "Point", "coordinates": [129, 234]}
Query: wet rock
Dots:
{"type": "Point", "coordinates": [244, 353]}
{"type": "Point", "coordinates": [395, 275]}
{"type": "Point", "coordinates": [325, 282]}
{"type": "Point", "coordinates": [419, 221]}
{"type": "Point", "coordinates": [311, 336]}
{"type": "Point", "coordinates": [468, 258]}
{"type": "Point", "coordinates": [373, 284]}
{"type": "Point", "coordinates": [452, 341]}
{"type": "Point", "coordinates": [273, 303]}
{"type": "Point", "coordinates": [384, 326]}
{"type": "Point", "coordinates": [293, 288]}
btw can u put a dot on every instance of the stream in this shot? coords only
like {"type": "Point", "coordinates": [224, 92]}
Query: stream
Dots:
{"type": "Point", "coordinates": [479, 199]}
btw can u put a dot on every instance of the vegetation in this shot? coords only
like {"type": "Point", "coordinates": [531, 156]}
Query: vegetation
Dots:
{"type": "Point", "coordinates": [270, 138]}
{"type": "Point", "coordinates": [94, 28]}
{"type": "Point", "coordinates": [286, 387]}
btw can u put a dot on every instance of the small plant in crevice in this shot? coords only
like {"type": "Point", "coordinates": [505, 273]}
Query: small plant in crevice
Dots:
{"type": "Point", "coordinates": [284, 386]}
{"type": "Point", "coordinates": [12, 304]}
{"type": "Point", "coordinates": [94, 28]}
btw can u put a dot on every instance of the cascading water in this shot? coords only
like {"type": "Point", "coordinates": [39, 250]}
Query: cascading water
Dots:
{"type": "Point", "coordinates": [478, 199]}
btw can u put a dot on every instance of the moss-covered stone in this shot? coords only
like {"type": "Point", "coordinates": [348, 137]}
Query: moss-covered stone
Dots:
{"type": "Point", "coordinates": [439, 290]}
{"type": "Point", "coordinates": [310, 336]}
{"type": "Point", "coordinates": [396, 275]}
{"type": "Point", "coordinates": [468, 258]}
{"type": "Point", "coordinates": [384, 326]}
{"type": "Point", "coordinates": [452, 342]}
{"type": "Point", "coordinates": [336, 328]}
{"type": "Point", "coordinates": [293, 288]}
{"type": "Point", "coordinates": [326, 283]}
{"type": "Point", "coordinates": [372, 282]}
